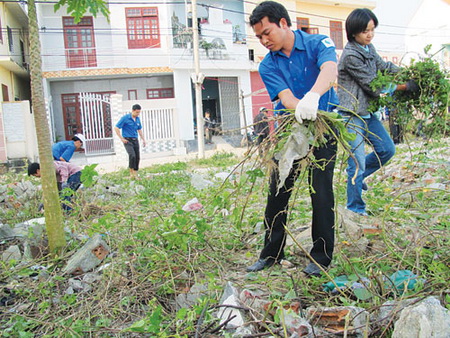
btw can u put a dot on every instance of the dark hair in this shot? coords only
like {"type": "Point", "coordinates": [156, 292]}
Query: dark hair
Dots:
{"type": "Point", "coordinates": [136, 107]}
{"type": "Point", "coordinates": [33, 168]}
{"type": "Point", "coordinates": [75, 138]}
{"type": "Point", "coordinates": [274, 12]}
{"type": "Point", "coordinates": [357, 22]}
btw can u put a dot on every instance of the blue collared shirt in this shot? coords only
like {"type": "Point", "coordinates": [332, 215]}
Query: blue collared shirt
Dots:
{"type": "Point", "coordinates": [300, 70]}
{"type": "Point", "coordinates": [64, 149]}
{"type": "Point", "coordinates": [129, 125]}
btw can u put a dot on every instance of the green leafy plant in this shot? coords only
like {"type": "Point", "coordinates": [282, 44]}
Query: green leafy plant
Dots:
{"type": "Point", "coordinates": [89, 175]}
{"type": "Point", "coordinates": [425, 112]}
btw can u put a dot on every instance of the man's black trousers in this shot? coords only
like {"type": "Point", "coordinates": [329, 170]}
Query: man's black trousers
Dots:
{"type": "Point", "coordinates": [132, 148]}
{"type": "Point", "coordinates": [320, 178]}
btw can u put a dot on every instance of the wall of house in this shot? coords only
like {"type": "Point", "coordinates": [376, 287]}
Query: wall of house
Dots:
{"type": "Point", "coordinates": [118, 85]}
{"type": "Point", "coordinates": [52, 39]}
{"type": "Point", "coordinates": [12, 73]}
{"type": "Point", "coordinates": [144, 57]}
{"type": "Point", "coordinates": [19, 130]}
{"type": "Point", "coordinates": [18, 34]}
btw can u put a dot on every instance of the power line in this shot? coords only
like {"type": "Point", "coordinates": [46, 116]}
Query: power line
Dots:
{"type": "Point", "coordinates": [182, 2]}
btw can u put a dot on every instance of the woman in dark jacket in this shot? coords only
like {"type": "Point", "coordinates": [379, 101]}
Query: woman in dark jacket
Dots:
{"type": "Point", "coordinates": [358, 66]}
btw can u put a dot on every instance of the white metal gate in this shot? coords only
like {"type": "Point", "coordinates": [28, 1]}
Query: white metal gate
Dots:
{"type": "Point", "coordinates": [159, 129]}
{"type": "Point", "coordinates": [229, 100]}
{"type": "Point", "coordinates": [96, 123]}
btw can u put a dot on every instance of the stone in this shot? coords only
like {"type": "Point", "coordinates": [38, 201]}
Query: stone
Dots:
{"type": "Point", "coordinates": [186, 300]}
{"type": "Point", "coordinates": [139, 188]}
{"type": "Point", "coordinates": [88, 257]}
{"type": "Point", "coordinates": [390, 311]}
{"type": "Point", "coordinates": [242, 331]}
{"type": "Point", "coordinates": [437, 186]}
{"type": "Point", "coordinates": [199, 183]}
{"type": "Point", "coordinates": [23, 189]}
{"type": "Point", "coordinates": [296, 326]}
{"type": "Point", "coordinates": [258, 227]}
{"type": "Point", "coordinates": [75, 284]}
{"type": "Point", "coordinates": [12, 253]}
{"type": "Point", "coordinates": [224, 176]}
{"type": "Point", "coordinates": [427, 318]}
{"type": "Point", "coordinates": [6, 232]}
{"type": "Point", "coordinates": [230, 303]}
{"type": "Point", "coordinates": [34, 229]}
{"type": "Point", "coordinates": [253, 300]}
{"type": "Point", "coordinates": [334, 319]}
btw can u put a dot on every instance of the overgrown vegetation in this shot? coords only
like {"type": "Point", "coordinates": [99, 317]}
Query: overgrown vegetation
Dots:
{"type": "Point", "coordinates": [425, 112]}
{"type": "Point", "coordinates": [159, 251]}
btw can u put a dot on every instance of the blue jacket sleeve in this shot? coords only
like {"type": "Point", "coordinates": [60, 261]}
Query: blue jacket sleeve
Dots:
{"type": "Point", "coordinates": [68, 153]}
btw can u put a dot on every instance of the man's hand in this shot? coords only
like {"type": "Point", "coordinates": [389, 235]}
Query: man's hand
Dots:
{"type": "Point", "coordinates": [307, 107]}
{"type": "Point", "coordinates": [124, 140]}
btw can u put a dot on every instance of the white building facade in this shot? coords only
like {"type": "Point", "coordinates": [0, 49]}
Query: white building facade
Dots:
{"type": "Point", "coordinates": [144, 53]}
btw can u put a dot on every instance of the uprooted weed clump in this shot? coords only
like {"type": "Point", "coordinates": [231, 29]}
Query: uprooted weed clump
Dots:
{"type": "Point", "coordinates": [159, 252]}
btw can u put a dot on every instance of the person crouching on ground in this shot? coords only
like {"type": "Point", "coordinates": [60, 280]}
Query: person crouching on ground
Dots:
{"type": "Point", "coordinates": [131, 126]}
{"type": "Point", "coordinates": [68, 175]}
{"type": "Point", "coordinates": [63, 151]}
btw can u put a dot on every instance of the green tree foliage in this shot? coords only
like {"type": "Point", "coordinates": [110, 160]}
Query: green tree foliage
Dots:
{"type": "Point", "coordinates": [77, 8]}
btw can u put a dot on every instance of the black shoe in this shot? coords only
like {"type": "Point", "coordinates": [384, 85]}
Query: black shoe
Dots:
{"type": "Point", "coordinates": [261, 264]}
{"type": "Point", "coordinates": [364, 186]}
{"type": "Point", "coordinates": [312, 270]}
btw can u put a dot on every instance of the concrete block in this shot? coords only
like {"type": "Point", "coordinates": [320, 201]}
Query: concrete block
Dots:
{"type": "Point", "coordinates": [88, 257]}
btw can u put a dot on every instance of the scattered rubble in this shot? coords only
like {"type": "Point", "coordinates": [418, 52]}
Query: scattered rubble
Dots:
{"type": "Point", "coordinates": [200, 183]}
{"type": "Point", "coordinates": [88, 257]}
{"type": "Point", "coordinates": [427, 318]}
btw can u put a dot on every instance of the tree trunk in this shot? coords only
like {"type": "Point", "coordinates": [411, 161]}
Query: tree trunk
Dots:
{"type": "Point", "coordinates": [53, 212]}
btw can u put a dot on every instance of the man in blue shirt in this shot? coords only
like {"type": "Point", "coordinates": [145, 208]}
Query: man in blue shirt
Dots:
{"type": "Point", "coordinates": [299, 71]}
{"type": "Point", "coordinates": [63, 151]}
{"type": "Point", "coordinates": [131, 126]}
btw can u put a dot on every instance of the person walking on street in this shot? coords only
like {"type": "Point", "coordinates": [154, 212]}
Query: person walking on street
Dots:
{"type": "Point", "coordinates": [357, 68]}
{"type": "Point", "coordinates": [131, 126]}
{"type": "Point", "coordinates": [299, 70]}
{"type": "Point", "coordinates": [63, 151]}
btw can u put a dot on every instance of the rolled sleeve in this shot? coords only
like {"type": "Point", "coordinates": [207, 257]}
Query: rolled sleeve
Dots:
{"type": "Point", "coordinates": [273, 80]}
{"type": "Point", "coordinates": [327, 51]}
{"type": "Point", "coordinates": [121, 122]}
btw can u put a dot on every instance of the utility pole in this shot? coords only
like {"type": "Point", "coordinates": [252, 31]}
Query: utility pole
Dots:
{"type": "Point", "coordinates": [244, 118]}
{"type": "Point", "coordinates": [197, 79]}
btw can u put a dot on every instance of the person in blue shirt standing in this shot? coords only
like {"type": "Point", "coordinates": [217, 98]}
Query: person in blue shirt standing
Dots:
{"type": "Point", "coordinates": [63, 151]}
{"type": "Point", "coordinates": [131, 126]}
{"type": "Point", "coordinates": [299, 71]}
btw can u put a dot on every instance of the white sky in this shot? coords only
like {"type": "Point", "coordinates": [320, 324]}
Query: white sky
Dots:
{"type": "Point", "coordinates": [393, 18]}
{"type": "Point", "coordinates": [429, 26]}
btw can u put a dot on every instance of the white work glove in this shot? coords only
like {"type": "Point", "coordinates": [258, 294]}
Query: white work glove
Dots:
{"type": "Point", "coordinates": [307, 107]}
